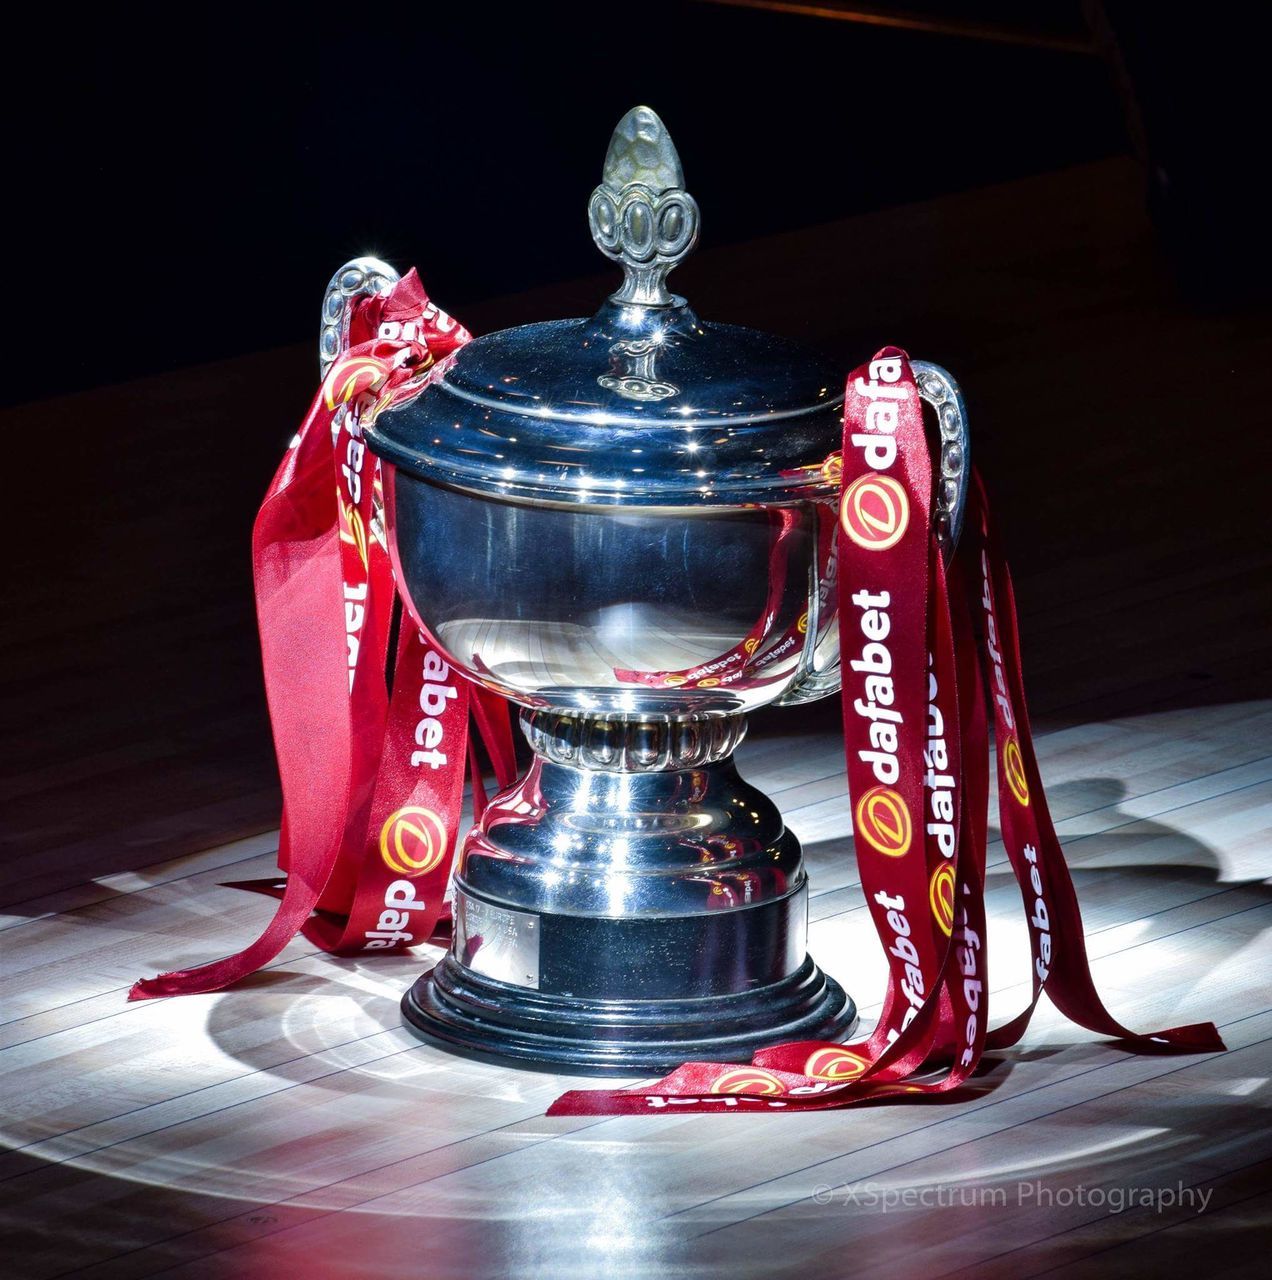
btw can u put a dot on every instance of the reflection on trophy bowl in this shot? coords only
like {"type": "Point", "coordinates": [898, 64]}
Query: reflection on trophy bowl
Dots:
{"type": "Point", "coordinates": [626, 524]}
{"type": "Point", "coordinates": [588, 610]}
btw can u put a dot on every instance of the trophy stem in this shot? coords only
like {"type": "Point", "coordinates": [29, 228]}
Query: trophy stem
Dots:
{"type": "Point", "coordinates": [629, 904]}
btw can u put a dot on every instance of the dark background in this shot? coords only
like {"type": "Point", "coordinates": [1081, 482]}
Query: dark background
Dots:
{"type": "Point", "coordinates": [182, 182]}
{"type": "Point", "coordinates": [184, 178]}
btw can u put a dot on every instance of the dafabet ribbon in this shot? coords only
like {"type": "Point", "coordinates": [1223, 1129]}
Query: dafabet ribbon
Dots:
{"type": "Point", "coordinates": [931, 661]}
{"type": "Point", "coordinates": [372, 771]}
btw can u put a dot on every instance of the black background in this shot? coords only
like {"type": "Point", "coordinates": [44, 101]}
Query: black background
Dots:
{"type": "Point", "coordinates": [184, 179]}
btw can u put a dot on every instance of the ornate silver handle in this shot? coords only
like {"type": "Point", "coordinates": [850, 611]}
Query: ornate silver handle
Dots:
{"type": "Point", "coordinates": [949, 497]}
{"type": "Point", "coordinates": [641, 215]}
{"type": "Point", "coordinates": [358, 278]}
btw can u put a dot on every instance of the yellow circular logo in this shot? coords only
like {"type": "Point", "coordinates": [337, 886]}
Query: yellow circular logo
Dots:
{"type": "Point", "coordinates": [1014, 770]}
{"type": "Point", "coordinates": [874, 512]}
{"type": "Point", "coordinates": [352, 376]}
{"type": "Point", "coordinates": [883, 822]}
{"type": "Point", "coordinates": [709, 683]}
{"type": "Point", "coordinates": [354, 532]}
{"type": "Point", "coordinates": [802, 625]}
{"type": "Point", "coordinates": [675, 680]}
{"type": "Point", "coordinates": [834, 1063]}
{"type": "Point", "coordinates": [752, 644]}
{"type": "Point", "coordinates": [941, 896]}
{"type": "Point", "coordinates": [748, 1080]}
{"type": "Point", "coordinates": [413, 841]}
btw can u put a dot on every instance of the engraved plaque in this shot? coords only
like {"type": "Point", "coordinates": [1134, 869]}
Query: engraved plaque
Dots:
{"type": "Point", "coordinates": [497, 942]}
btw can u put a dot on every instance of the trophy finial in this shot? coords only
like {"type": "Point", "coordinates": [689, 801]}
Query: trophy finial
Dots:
{"type": "Point", "coordinates": [641, 215]}
{"type": "Point", "coordinates": [358, 278]}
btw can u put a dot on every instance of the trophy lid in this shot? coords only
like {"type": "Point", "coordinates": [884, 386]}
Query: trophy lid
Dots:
{"type": "Point", "coordinates": [643, 403]}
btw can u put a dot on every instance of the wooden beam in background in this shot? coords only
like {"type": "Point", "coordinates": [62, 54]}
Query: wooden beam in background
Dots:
{"type": "Point", "coordinates": [931, 24]}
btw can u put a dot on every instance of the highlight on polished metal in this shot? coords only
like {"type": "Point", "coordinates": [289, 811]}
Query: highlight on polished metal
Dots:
{"type": "Point", "coordinates": [626, 525]}
{"type": "Point", "coordinates": [359, 278]}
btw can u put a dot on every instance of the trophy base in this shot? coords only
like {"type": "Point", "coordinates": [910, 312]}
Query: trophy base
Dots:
{"type": "Point", "coordinates": [631, 903]}
{"type": "Point", "coordinates": [480, 1016]}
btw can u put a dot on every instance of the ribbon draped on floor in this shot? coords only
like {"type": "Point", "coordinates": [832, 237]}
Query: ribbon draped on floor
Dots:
{"type": "Point", "coordinates": [931, 657]}
{"type": "Point", "coordinates": [371, 804]}
{"type": "Point", "coordinates": [931, 670]}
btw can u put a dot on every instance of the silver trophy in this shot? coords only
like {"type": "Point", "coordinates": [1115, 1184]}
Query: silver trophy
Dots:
{"type": "Point", "coordinates": [625, 524]}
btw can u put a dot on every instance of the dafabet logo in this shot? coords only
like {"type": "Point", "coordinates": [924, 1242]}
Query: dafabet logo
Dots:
{"type": "Point", "coordinates": [748, 1080]}
{"type": "Point", "coordinates": [883, 822]}
{"type": "Point", "coordinates": [875, 512]}
{"type": "Point", "coordinates": [352, 376]}
{"type": "Point", "coordinates": [941, 896]}
{"type": "Point", "coordinates": [1014, 771]}
{"type": "Point", "coordinates": [834, 1063]}
{"type": "Point", "coordinates": [413, 841]}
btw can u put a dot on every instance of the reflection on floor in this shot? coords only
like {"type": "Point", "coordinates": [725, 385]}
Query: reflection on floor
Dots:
{"type": "Point", "coordinates": [221, 1136]}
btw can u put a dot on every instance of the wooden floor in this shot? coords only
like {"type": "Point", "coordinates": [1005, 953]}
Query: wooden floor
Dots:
{"type": "Point", "coordinates": [293, 1127]}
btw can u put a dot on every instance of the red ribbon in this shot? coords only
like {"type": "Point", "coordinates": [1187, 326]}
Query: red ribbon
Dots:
{"type": "Point", "coordinates": [372, 774]}
{"type": "Point", "coordinates": [931, 659]}
{"type": "Point", "coordinates": [741, 666]}
{"type": "Point", "coordinates": [372, 770]}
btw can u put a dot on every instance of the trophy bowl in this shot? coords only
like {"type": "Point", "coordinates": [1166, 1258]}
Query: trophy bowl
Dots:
{"type": "Point", "coordinates": [626, 525]}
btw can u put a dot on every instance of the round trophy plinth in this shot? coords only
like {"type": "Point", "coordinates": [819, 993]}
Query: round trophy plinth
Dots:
{"type": "Point", "coordinates": [466, 1012]}
{"type": "Point", "coordinates": [629, 905]}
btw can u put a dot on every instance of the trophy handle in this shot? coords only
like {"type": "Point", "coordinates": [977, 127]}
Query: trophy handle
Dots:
{"type": "Point", "coordinates": [949, 499]}
{"type": "Point", "coordinates": [358, 278]}
{"type": "Point", "coordinates": [939, 389]}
